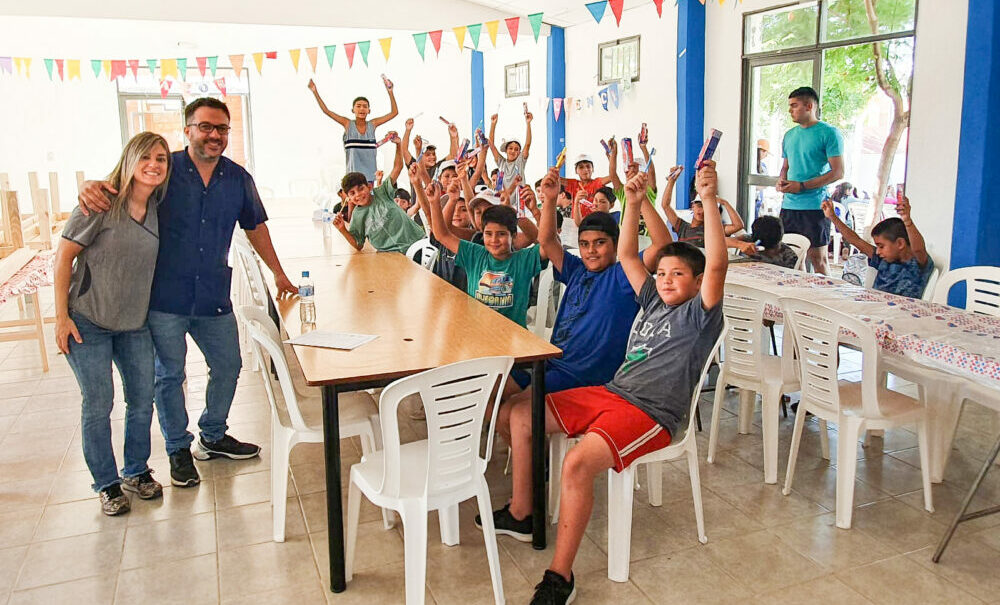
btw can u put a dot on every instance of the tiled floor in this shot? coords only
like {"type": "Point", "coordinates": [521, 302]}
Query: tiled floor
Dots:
{"type": "Point", "coordinates": [212, 543]}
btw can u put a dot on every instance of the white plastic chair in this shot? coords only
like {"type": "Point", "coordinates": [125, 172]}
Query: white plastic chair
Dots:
{"type": "Point", "coordinates": [800, 244]}
{"type": "Point", "coordinates": [854, 407]}
{"type": "Point", "coordinates": [748, 366]}
{"type": "Point", "coordinates": [982, 288]}
{"type": "Point", "coordinates": [436, 473]}
{"type": "Point", "coordinates": [544, 304]}
{"type": "Point", "coordinates": [297, 419]}
{"type": "Point", "coordinates": [427, 251]}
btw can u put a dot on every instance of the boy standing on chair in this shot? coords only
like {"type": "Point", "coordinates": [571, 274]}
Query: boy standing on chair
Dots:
{"type": "Point", "coordinates": [648, 400]}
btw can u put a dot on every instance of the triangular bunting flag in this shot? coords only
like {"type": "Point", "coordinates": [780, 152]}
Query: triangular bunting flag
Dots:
{"type": "Point", "coordinates": [459, 36]}
{"type": "Point", "coordinates": [293, 54]}
{"type": "Point", "coordinates": [220, 83]}
{"type": "Point", "coordinates": [237, 62]}
{"type": "Point", "coordinates": [597, 9]}
{"type": "Point", "coordinates": [271, 54]}
{"type": "Point", "coordinates": [311, 53]}
{"type": "Point", "coordinates": [168, 67]}
{"type": "Point", "coordinates": [59, 68]}
{"type": "Point", "coordinates": [513, 24]}
{"type": "Point", "coordinates": [363, 46]}
{"type": "Point", "coordinates": [491, 29]}
{"type": "Point", "coordinates": [545, 108]}
{"type": "Point", "coordinates": [535, 20]}
{"type": "Point", "coordinates": [603, 93]}
{"type": "Point", "coordinates": [182, 67]}
{"type": "Point", "coordinates": [349, 49]}
{"type": "Point", "coordinates": [386, 44]}
{"type": "Point", "coordinates": [568, 105]}
{"type": "Point", "coordinates": [613, 92]}
{"type": "Point", "coordinates": [26, 61]}
{"type": "Point", "coordinates": [133, 64]}
{"type": "Point", "coordinates": [106, 67]}
{"type": "Point", "coordinates": [72, 69]}
{"type": "Point", "coordinates": [95, 66]}
{"type": "Point", "coordinates": [330, 50]}
{"type": "Point", "coordinates": [659, 7]}
{"type": "Point", "coordinates": [48, 67]}
{"type": "Point", "coordinates": [118, 69]}
{"type": "Point", "coordinates": [616, 8]}
{"type": "Point", "coordinates": [436, 40]}
{"type": "Point", "coordinates": [557, 108]}
{"type": "Point", "coordinates": [6, 65]}
{"type": "Point", "coordinates": [421, 41]}
{"type": "Point", "coordinates": [258, 60]}
{"type": "Point", "coordinates": [165, 87]}
{"type": "Point", "coordinates": [474, 31]}
{"type": "Point", "coordinates": [213, 63]}
{"type": "Point", "coordinates": [18, 64]}
{"type": "Point", "coordinates": [202, 65]}
{"type": "Point", "coordinates": [151, 65]}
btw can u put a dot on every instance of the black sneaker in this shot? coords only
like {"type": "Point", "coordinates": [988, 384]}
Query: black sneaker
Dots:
{"type": "Point", "coordinates": [182, 470]}
{"type": "Point", "coordinates": [144, 485]}
{"type": "Point", "coordinates": [227, 447]}
{"type": "Point", "coordinates": [113, 501]}
{"type": "Point", "coordinates": [506, 525]}
{"type": "Point", "coordinates": [554, 590]}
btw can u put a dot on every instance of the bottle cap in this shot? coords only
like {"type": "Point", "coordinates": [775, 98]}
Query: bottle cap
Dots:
{"type": "Point", "coordinates": [305, 274]}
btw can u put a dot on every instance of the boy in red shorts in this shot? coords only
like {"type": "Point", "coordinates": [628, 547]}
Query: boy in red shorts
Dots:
{"type": "Point", "coordinates": [648, 399]}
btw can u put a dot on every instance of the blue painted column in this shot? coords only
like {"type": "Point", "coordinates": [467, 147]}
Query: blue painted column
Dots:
{"type": "Point", "coordinates": [478, 95]}
{"type": "Point", "coordinates": [977, 213]}
{"type": "Point", "coordinates": [690, 90]}
{"type": "Point", "coordinates": [555, 88]}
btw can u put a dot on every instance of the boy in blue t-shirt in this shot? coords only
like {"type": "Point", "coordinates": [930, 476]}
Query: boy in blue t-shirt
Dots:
{"type": "Point", "coordinates": [899, 253]}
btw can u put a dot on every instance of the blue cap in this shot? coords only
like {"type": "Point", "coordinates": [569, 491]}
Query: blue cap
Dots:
{"type": "Point", "coordinates": [305, 274]}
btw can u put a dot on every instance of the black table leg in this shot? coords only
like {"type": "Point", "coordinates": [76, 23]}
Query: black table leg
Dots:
{"type": "Point", "coordinates": [334, 507]}
{"type": "Point", "coordinates": [538, 454]}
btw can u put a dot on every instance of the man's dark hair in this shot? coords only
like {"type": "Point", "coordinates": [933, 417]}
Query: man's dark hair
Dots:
{"type": "Point", "coordinates": [494, 172]}
{"type": "Point", "coordinates": [600, 221]}
{"type": "Point", "coordinates": [608, 193]}
{"type": "Point", "coordinates": [805, 92]}
{"type": "Point", "coordinates": [768, 230]}
{"type": "Point", "coordinates": [559, 220]}
{"type": "Point", "coordinates": [891, 229]}
{"type": "Point", "coordinates": [402, 194]}
{"type": "Point", "coordinates": [352, 180]}
{"type": "Point", "coordinates": [203, 102]}
{"type": "Point", "coordinates": [538, 183]}
{"type": "Point", "coordinates": [687, 252]}
{"type": "Point", "coordinates": [430, 148]}
{"type": "Point", "coordinates": [505, 216]}
{"type": "Point", "coordinates": [564, 191]}
{"type": "Point", "coordinates": [692, 189]}
{"type": "Point", "coordinates": [356, 99]}
{"type": "Point", "coordinates": [507, 144]}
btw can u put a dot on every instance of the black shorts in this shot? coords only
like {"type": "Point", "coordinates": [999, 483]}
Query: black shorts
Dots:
{"type": "Point", "coordinates": [811, 223]}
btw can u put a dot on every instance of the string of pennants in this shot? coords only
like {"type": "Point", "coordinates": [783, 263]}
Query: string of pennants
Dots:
{"type": "Point", "coordinates": [607, 98]}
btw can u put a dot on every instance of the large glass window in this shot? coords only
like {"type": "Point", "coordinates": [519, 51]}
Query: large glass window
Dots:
{"type": "Point", "coordinates": [618, 60]}
{"type": "Point", "coordinates": [781, 29]}
{"type": "Point", "coordinates": [848, 19]}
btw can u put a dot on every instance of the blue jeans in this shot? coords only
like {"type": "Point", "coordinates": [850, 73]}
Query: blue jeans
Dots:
{"type": "Point", "coordinates": [91, 362]}
{"type": "Point", "coordinates": [218, 339]}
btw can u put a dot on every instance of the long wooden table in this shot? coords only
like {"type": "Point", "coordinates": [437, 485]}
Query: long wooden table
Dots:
{"type": "Point", "coordinates": [422, 322]}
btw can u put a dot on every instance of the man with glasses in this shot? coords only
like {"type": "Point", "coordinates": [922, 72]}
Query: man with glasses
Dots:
{"type": "Point", "coordinates": [207, 195]}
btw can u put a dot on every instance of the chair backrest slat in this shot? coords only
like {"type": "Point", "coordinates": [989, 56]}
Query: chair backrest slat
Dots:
{"type": "Point", "coordinates": [744, 339]}
{"type": "Point", "coordinates": [982, 288]}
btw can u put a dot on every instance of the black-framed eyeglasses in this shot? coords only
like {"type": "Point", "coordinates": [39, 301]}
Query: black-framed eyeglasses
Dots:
{"type": "Point", "coordinates": [208, 127]}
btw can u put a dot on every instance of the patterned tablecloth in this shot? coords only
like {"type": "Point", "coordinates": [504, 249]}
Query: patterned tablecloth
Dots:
{"type": "Point", "coordinates": [31, 277]}
{"type": "Point", "coordinates": [949, 339]}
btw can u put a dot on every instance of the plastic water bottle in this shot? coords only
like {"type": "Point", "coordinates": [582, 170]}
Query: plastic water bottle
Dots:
{"type": "Point", "coordinates": [307, 305]}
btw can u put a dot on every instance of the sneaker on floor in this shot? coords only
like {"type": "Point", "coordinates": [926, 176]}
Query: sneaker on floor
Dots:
{"type": "Point", "coordinates": [144, 485]}
{"type": "Point", "coordinates": [506, 525]}
{"type": "Point", "coordinates": [554, 590]}
{"type": "Point", "coordinates": [227, 447]}
{"type": "Point", "coordinates": [182, 470]}
{"type": "Point", "coordinates": [113, 501]}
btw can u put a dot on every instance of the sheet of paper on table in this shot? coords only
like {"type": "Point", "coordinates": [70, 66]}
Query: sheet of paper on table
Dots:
{"type": "Point", "coordinates": [332, 340]}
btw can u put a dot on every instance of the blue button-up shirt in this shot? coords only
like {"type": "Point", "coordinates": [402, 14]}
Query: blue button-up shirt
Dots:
{"type": "Point", "coordinates": [193, 275]}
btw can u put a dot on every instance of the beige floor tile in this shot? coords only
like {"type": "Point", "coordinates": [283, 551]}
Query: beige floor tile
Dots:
{"type": "Point", "coordinates": [181, 582]}
{"type": "Point", "coordinates": [889, 475]}
{"type": "Point", "coordinates": [17, 528]}
{"type": "Point", "coordinates": [820, 486]}
{"type": "Point", "coordinates": [70, 486]}
{"type": "Point", "coordinates": [968, 563]}
{"type": "Point", "coordinates": [238, 490]}
{"type": "Point", "coordinates": [819, 539]}
{"type": "Point", "coordinates": [314, 507]}
{"type": "Point", "coordinates": [990, 537]}
{"type": "Point", "coordinates": [309, 453]}
{"type": "Point", "coordinates": [99, 590]}
{"type": "Point", "coordinates": [252, 524]}
{"type": "Point", "coordinates": [897, 525]}
{"type": "Point", "coordinates": [595, 587]}
{"type": "Point", "coordinates": [21, 495]}
{"type": "Point", "coordinates": [722, 519]}
{"type": "Point", "coordinates": [900, 580]}
{"type": "Point", "coordinates": [24, 388]}
{"type": "Point", "coordinates": [309, 594]}
{"type": "Point", "coordinates": [461, 575]}
{"type": "Point", "coordinates": [6, 422]}
{"type": "Point", "coordinates": [767, 505]}
{"type": "Point", "coordinates": [168, 540]}
{"type": "Point", "coordinates": [71, 559]}
{"type": "Point", "coordinates": [63, 384]}
{"type": "Point", "coordinates": [376, 547]}
{"type": "Point", "coordinates": [689, 576]}
{"type": "Point", "coordinates": [762, 562]}
{"type": "Point", "coordinates": [13, 406]}
{"type": "Point", "coordinates": [379, 586]}
{"type": "Point", "coordinates": [10, 564]}
{"type": "Point", "coordinates": [727, 470]}
{"type": "Point", "coordinates": [57, 401]}
{"type": "Point", "coordinates": [260, 567]}
{"type": "Point", "coordinates": [176, 502]}
{"type": "Point", "coordinates": [224, 467]}
{"type": "Point", "coordinates": [651, 536]}
{"type": "Point", "coordinates": [948, 500]}
{"type": "Point", "coordinates": [827, 590]}
{"type": "Point", "coordinates": [533, 563]}
{"type": "Point", "coordinates": [77, 518]}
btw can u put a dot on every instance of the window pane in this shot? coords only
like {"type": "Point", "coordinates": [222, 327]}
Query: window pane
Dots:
{"type": "Point", "coordinates": [789, 27]}
{"type": "Point", "coordinates": [847, 19]}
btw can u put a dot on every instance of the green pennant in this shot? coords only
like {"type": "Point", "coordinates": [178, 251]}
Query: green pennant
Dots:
{"type": "Point", "coordinates": [48, 67]}
{"type": "Point", "coordinates": [474, 34]}
{"type": "Point", "coordinates": [95, 64]}
{"type": "Point", "coordinates": [212, 62]}
{"type": "Point", "coordinates": [363, 47]}
{"type": "Point", "coordinates": [151, 64]}
{"type": "Point", "coordinates": [421, 42]}
{"type": "Point", "coordinates": [329, 53]}
{"type": "Point", "coordinates": [182, 67]}
{"type": "Point", "coordinates": [536, 24]}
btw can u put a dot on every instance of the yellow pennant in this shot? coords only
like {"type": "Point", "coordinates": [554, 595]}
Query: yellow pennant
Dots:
{"type": "Point", "coordinates": [106, 66]}
{"type": "Point", "coordinates": [17, 64]}
{"type": "Point", "coordinates": [72, 69]}
{"type": "Point", "coordinates": [258, 60]}
{"type": "Point", "coordinates": [460, 36]}
{"type": "Point", "coordinates": [386, 43]}
{"type": "Point", "coordinates": [294, 55]}
{"type": "Point", "coordinates": [168, 67]}
{"type": "Point", "coordinates": [27, 66]}
{"type": "Point", "coordinates": [311, 53]}
{"type": "Point", "coordinates": [491, 28]}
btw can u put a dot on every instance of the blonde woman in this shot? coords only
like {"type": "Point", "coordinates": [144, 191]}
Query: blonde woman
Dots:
{"type": "Point", "coordinates": [101, 305]}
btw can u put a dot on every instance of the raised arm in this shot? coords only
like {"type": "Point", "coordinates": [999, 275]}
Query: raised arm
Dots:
{"type": "Point", "coordinates": [477, 175]}
{"type": "Point", "coordinates": [527, 233]}
{"type": "Point", "coordinates": [442, 232]}
{"type": "Point", "coordinates": [397, 164]}
{"type": "Point", "coordinates": [652, 166]}
{"type": "Point", "coordinates": [453, 135]}
{"type": "Point", "coordinates": [616, 181]}
{"type": "Point", "coordinates": [577, 212]}
{"type": "Point", "coordinates": [527, 136]}
{"type": "Point", "coordinates": [713, 282]}
{"type": "Point", "coordinates": [336, 117]}
{"type": "Point", "coordinates": [491, 139]}
{"type": "Point", "coordinates": [628, 239]}
{"type": "Point", "coordinates": [407, 158]}
{"type": "Point", "coordinates": [668, 194]}
{"type": "Point", "coordinates": [850, 236]}
{"type": "Point", "coordinates": [548, 239]}
{"type": "Point", "coordinates": [917, 244]}
{"type": "Point", "coordinates": [462, 168]}
{"type": "Point", "coordinates": [454, 192]}
{"type": "Point", "coordinates": [737, 224]}
{"type": "Point", "coordinates": [393, 110]}
{"type": "Point", "coordinates": [658, 232]}
{"type": "Point", "coordinates": [65, 327]}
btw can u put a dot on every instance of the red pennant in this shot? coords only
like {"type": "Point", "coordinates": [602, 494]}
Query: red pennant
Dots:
{"type": "Point", "coordinates": [436, 40]}
{"type": "Point", "coordinates": [59, 66]}
{"type": "Point", "coordinates": [202, 65]}
{"type": "Point", "coordinates": [512, 24]}
{"type": "Point", "coordinates": [659, 7]}
{"type": "Point", "coordinates": [271, 54]}
{"type": "Point", "coordinates": [118, 69]}
{"type": "Point", "coordinates": [349, 49]}
{"type": "Point", "coordinates": [616, 8]}
{"type": "Point", "coordinates": [133, 64]}
{"type": "Point", "coordinates": [220, 83]}
{"type": "Point", "coordinates": [165, 87]}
